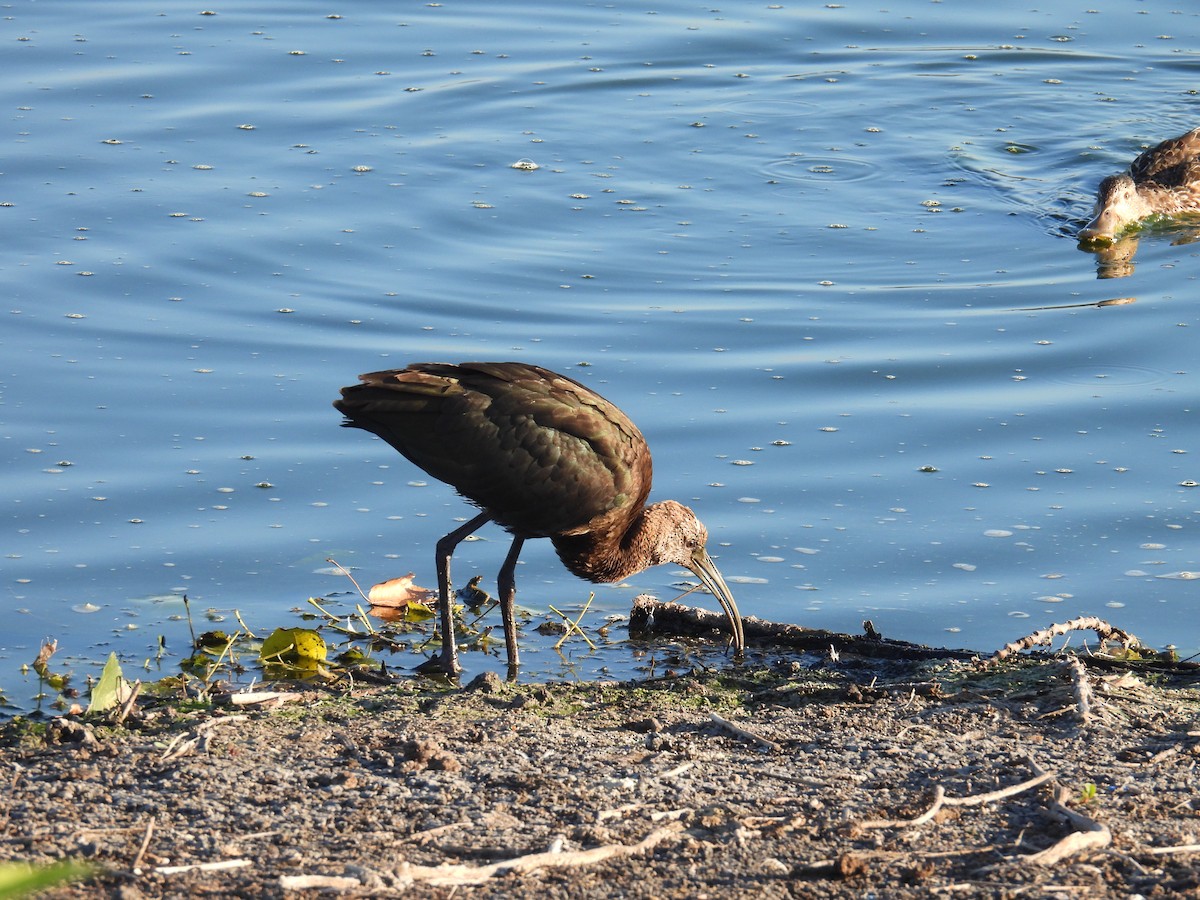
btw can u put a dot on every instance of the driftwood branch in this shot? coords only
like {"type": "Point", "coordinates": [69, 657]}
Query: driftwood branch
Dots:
{"type": "Point", "coordinates": [1044, 636]}
{"type": "Point", "coordinates": [651, 616]}
{"type": "Point", "coordinates": [454, 875]}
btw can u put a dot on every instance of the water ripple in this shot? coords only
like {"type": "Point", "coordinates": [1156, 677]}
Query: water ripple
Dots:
{"type": "Point", "coordinates": [820, 168]}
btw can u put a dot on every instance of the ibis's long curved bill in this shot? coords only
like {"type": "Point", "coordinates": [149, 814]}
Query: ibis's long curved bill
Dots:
{"type": "Point", "coordinates": [704, 569]}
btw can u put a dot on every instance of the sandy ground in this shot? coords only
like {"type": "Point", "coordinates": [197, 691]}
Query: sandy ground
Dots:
{"type": "Point", "coordinates": [852, 778]}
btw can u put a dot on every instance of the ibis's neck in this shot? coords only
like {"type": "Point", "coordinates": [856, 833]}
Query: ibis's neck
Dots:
{"type": "Point", "coordinates": [613, 550]}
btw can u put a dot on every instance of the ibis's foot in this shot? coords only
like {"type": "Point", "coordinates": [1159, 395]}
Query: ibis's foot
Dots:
{"type": "Point", "coordinates": [442, 664]}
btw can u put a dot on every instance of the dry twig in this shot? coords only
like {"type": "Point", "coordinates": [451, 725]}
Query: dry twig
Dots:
{"type": "Point", "coordinates": [1092, 836]}
{"type": "Point", "coordinates": [618, 812]}
{"type": "Point", "coordinates": [424, 837]}
{"type": "Point", "coordinates": [319, 882]}
{"type": "Point", "coordinates": [264, 699]}
{"type": "Point", "coordinates": [137, 860]}
{"type": "Point", "coordinates": [743, 733]}
{"type": "Point", "coordinates": [573, 625]}
{"type": "Point", "coordinates": [184, 744]}
{"type": "Point", "coordinates": [346, 572]}
{"type": "Point", "coordinates": [678, 770]}
{"type": "Point", "coordinates": [218, 866]}
{"type": "Point", "coordinates": [670, 814]}
{"type": "Point", "coordinates": [1083, 690]}
{"type": "Point", "coordinates": [449, 875]}
{"type": "Point", "coordinates": [940, 799]}
{"type": "Point", "coordinates": [127, 706]}
{"type": "Point", "coordinates": [1165, 851]}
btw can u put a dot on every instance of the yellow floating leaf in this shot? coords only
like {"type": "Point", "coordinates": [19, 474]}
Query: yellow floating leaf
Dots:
{"type": "Point", "coordinates": [298, 646]}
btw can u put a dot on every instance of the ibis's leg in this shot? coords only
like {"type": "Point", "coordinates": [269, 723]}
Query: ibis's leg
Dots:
{"type": "Point", "coordinates": [448, 661]}
{"type": "Point", "coordinates": [506, 583]}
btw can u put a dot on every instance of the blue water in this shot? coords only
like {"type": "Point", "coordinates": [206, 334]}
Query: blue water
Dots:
{"type": "Point", "coordinates": [821, 253]}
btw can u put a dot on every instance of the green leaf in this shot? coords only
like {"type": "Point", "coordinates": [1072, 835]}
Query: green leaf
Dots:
{"type": "Point", "coordinates": [215, 641]}
{"type": "Point", "coordinates": [416, 611]}
{"type": "Point", "coordinates": [19, 879]}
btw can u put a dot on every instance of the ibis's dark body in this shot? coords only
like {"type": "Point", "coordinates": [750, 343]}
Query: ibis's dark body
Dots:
{"type": "Point", "coordinates": [541, 455]}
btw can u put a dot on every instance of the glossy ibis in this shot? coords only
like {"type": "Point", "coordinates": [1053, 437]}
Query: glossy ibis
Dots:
{"type": "Point", "coordinates": [1164, 180]}
{"type": "Point", "coordinates": [544, 457]}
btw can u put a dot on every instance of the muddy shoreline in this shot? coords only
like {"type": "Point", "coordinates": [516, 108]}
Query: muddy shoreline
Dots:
{"type": "Point", "coordinates": [909, 778]}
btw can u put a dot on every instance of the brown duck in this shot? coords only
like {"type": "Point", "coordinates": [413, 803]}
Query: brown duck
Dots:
{"type": "Point", "coordinates": [1164, 180]}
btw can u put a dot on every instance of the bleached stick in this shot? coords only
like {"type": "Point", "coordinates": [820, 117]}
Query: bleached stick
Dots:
{"type": "Point", "coordinates": [218, 866]}
{"type": "Point", "coordinates": [456, 875]}
{"type": "Point", "coordinates": [940, 799]}
{"type": "Point", "coordinates": [1093, 836]}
